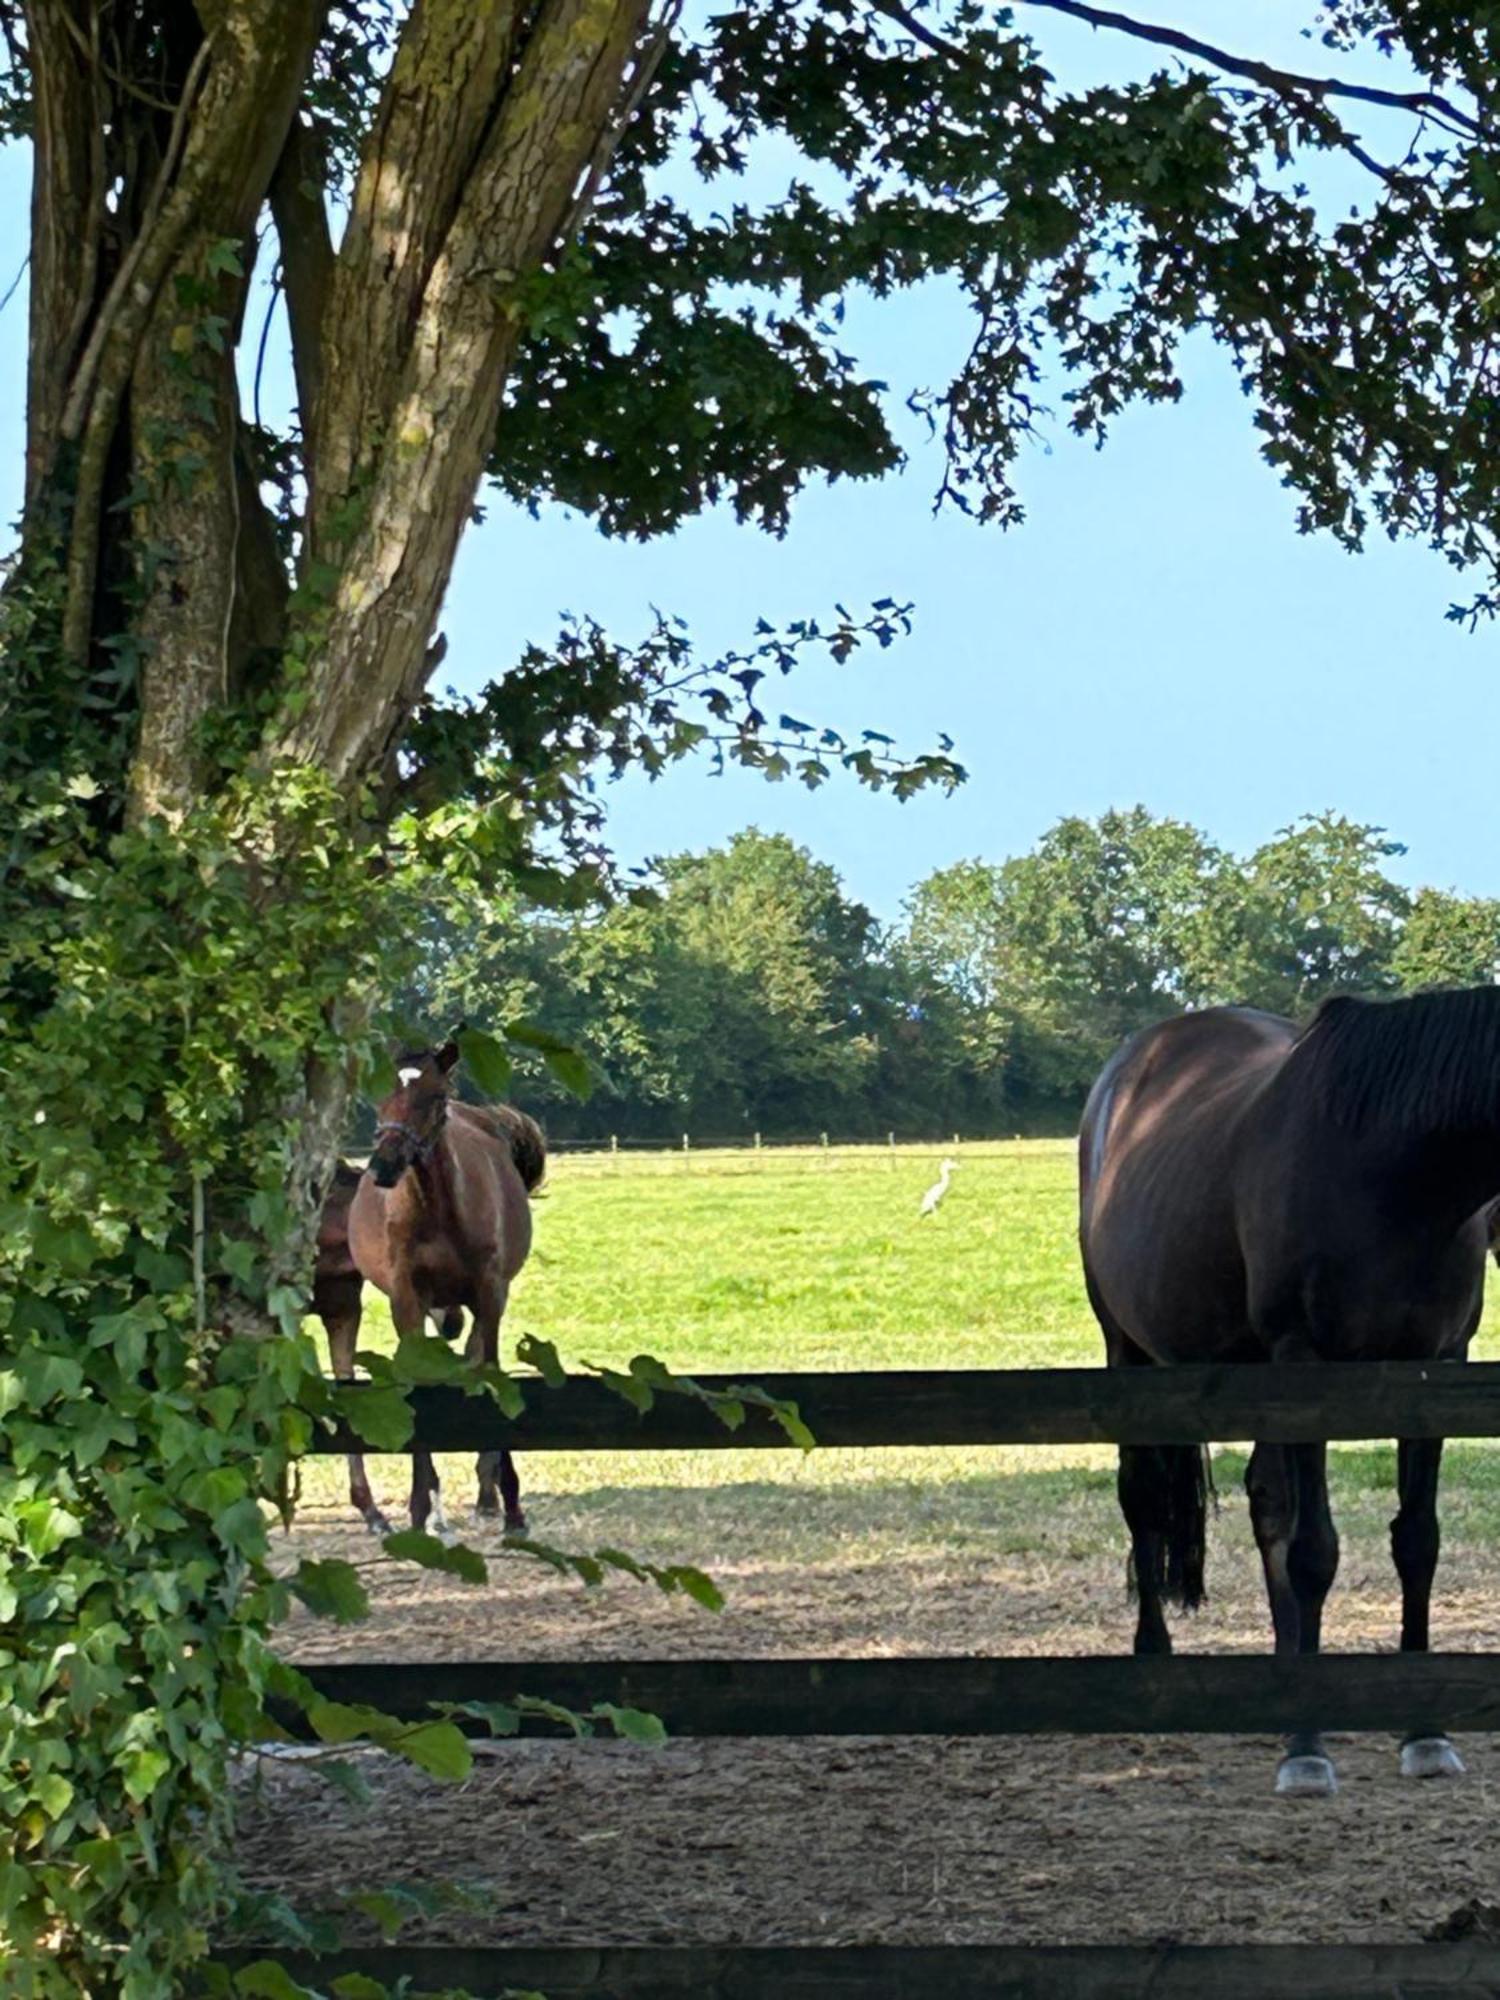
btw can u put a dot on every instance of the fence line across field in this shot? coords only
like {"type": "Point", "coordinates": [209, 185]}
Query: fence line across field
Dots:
{"type": "Point", "coordinates": [759, 1154]}
{"type": "Point", "coordinates": [957, 1695]}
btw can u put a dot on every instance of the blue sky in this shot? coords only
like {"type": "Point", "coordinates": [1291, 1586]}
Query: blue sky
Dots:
{"type": "Point", "coordinates": [1155, 632]}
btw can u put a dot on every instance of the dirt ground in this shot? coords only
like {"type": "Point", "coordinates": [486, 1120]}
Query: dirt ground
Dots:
{"type": "Point", "coordinates": [909, 1840]}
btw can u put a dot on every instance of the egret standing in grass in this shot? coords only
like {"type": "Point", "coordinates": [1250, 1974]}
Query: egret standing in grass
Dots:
{"type": "Point", "coordinates": [938, 1189]}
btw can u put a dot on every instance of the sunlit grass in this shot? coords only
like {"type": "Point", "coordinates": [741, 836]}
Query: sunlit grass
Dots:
{"type": "Point", "coordinates": [725, 1263]}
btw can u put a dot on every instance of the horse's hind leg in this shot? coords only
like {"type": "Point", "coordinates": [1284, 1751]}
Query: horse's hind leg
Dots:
{"type": "Point", "coordinates": [342, 1327]}
{"type": "Point", "coordinates": [1140, 1491]}
{"type": "Point", "coordinates": [409, 1315]}
{"type": "Point", "coordinates": [1426, 1753]}
{"type": "Point", "coordinates": [1299, 1550]}
{"type": "Point", "coordinates": [499, 1485]}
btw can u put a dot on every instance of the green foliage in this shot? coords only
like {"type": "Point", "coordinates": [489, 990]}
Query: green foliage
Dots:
{"type": "Point", "coordinates": [164, 998]}
{"type": "Point", "coordinates": [748, 993]}
{"type": "Point", "coordinates": [1448, 940]}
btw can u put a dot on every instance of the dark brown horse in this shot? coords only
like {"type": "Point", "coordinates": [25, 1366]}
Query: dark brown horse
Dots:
{"type": "Point", "coordinates": [1250, 1193]}
{"type": "Point", "coordinates": [337, 1285]}
{"type": "Point", "coordinates": [440, 1221]}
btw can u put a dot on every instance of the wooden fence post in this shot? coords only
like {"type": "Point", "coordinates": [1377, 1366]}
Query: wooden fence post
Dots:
{"type": "Point", "coordinates": [614, 1152]}
{"type": "Point", "coordinates": [759, 1155]}
{"type": "Point", "coordinates": [891, 1152]}
{"type": "Point", "coordinates": [684, 1152]}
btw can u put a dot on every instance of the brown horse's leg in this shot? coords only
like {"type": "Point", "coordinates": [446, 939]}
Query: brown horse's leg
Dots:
{"type": "Point", "coordinates": [1426, 1753]}
{"type": "Point", "coordinates": [342, 1328]}
{"type": "Point", "coordinates": [498, 1481]}
{"type": "Point", "coordinates": [1299, 1549]}
{"type": "Point", "coordinates": [408, 1315]}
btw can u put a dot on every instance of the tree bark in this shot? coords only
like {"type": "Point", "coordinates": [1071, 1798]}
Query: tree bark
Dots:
{"type": "Point", "coordinates": [159, 361]}
{"type": "Point", "coordinates": [443, 380]}
{"type": "Point", "coordinates": [67, 214]}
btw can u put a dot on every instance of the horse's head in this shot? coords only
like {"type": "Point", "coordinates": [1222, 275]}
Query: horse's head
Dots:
{"type": "Point", "coordinates": [410, 1121]}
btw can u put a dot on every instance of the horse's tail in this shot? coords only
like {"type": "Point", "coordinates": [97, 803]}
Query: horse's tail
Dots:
{"type": "Point", "coordinates": [525, 1138]}
{"type": "Point", "coordinates": [1183, 1481]}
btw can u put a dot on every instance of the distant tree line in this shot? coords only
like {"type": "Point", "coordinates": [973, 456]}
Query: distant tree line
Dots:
{"type": "Point", "coordinates": [752, 994]}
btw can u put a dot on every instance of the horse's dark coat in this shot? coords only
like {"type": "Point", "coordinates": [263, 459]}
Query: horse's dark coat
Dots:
{"type": "Point", "coordinates": [1249, 1193]}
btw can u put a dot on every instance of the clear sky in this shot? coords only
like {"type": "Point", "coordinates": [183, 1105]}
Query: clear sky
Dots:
{"type": "Point", "coordinates": [1155, 632]}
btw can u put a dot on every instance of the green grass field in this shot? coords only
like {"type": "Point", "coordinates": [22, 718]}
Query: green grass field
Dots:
{"type": "Point", "coordinates": [794, 1260]}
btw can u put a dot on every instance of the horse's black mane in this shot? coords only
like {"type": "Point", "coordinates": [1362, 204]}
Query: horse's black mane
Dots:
{"type": "Point", "coordinates": [1430, 1062]}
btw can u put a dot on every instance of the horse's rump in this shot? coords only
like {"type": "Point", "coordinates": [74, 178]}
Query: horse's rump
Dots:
{"type": "Point", "coordinates": [522, 1135]}
{"type": "Point", "coordinates": [1160, 1146]}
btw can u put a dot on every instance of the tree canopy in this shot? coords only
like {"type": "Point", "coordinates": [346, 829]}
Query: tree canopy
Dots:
{"type": "Point", "coordinates": [751, 994]}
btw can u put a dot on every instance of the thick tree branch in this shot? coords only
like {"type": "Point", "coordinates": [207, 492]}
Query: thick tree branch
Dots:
{"type": "Point", "coordinates": [67, 202]}
{"type": "Point", "coordinates": [232, 123]}
{"type": "Point", "coordinates": [301, 217]}
{"type": "Point", "coordinates": [450, 73]}
{"type": "Point", "coordinates": [1285, 83]}
{"type": "Point", "coordinates": [372, 650]}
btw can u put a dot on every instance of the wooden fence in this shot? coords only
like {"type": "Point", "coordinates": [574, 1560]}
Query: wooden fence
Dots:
{"type": "Point", "coordinates": [960, 1696]}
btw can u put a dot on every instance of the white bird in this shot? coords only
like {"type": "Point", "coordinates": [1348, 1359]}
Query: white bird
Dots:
{"type": "Point", "coordinates": [938, 1189]}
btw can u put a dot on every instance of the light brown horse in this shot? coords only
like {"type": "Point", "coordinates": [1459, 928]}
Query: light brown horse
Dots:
{"type": "Point", "coordinates": [1249, 1193]}
{"type": "Point", "coordinates": [440, 1221]}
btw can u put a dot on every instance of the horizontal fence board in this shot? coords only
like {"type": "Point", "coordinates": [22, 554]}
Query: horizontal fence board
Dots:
{"type": "Point", "coordinates": [944, 1696]}
{"type": "Point", "coordinates": [1185, 1405]}
{"type": "Point", "coordinates": [926, 1972]}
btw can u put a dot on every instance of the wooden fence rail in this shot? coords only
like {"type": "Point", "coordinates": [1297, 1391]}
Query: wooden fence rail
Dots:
{"type": "Point", "coordinates": [948, 1696]}
{"type": "Point", "coordinates": [977, 1406]}
{"type": "Point", "coordinates": [952, 1696]}
{"type": "Point", "coordinates": [925, 1972]}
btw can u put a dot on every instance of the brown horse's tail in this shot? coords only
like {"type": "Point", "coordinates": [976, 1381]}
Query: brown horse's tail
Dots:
{"type": "Point", "coordinates": [525, 1138]}
{"type": "Point", "coordinates": [1183, 1485]}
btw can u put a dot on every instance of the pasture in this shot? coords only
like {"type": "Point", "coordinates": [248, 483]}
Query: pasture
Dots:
{"type": "Point", "coordinates": [799, 1261]}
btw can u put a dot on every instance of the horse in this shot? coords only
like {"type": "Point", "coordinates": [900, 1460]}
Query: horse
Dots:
{"type": "Point", "coordinates": [1252, 1193]}
{"type": "Point", "coordinates": [337, 1286]}
{"type": "Point", "coordinates": [440, 1220]}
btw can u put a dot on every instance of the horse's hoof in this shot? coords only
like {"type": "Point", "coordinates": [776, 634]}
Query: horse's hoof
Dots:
{"type": "Point", "coordinates": [1305, 1778]}
{"type": "Point", "coordinates": [1430, 1757]}
{"type": "Point", "coordinates": [515, 1524]}
{"type": "Point", "coordinates": [377, 1524]}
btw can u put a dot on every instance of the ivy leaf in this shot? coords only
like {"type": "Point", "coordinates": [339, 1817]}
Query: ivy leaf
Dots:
{"type": "Point", "coordinates": [223, 256]}
{"type": "Point", "coordinates": [383, 1908]}
{"type": "Point", "coordinates": [380, 1415]}
{"type": "Point", "coordinates": [143, 1772]}
{"type": "Point", "coordinates": [412, 1545]}
{"type": "Point", "coordinates": [423, 1358]}
{"type": "Point", "coordinates": [502, 1718]}
{"type": "Point", "coordinates": [53, 1793]}
{"type": "Point", "coordinates": [359, 1986]}
{"type": "Point", "coordinates": [543, 1357]}
{"type": "Point", "coordinates": [46, 1376]}
{"type": "Point", "coordinates": [634, 1724]}
{"type": "Point", "coordinates": [344, 1721]}
{"type": "Point", "coordinates": [701, 1588]}
{"type": "Point", "coordinates": [439, 1748]}
{"type": "Point", "coordinates": [486, 1060]}
{"type": "Point", "coordinates": [331, 1589]}
{"type": "Point", "coordinates": [266, 1980]}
